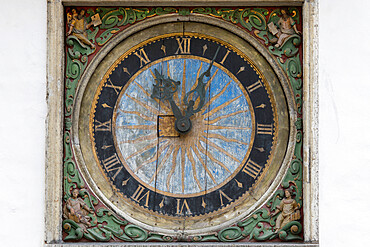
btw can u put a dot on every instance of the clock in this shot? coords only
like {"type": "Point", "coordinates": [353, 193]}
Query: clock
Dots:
{"type": "Point", "coordinates": [182, 127]}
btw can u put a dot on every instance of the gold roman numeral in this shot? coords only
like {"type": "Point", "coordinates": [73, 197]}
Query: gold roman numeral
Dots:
{"type": "Point", "coordinates": [222, 194]}
{"type": "Point", "coordinates": [112, 164]}
{"type": "Point", "coordinates": [184, 45]}
{"type": "Point", "coordinates": [110, 84]}
{"type": "Point", "coordinates": [138, 197]}
{"type": "Point", "coordinates": [252, 169]}
{"type": "Point", "coordinates": [142, 56]}
{"type": "Point", "coordinates": [106, 126]}
{"type": "Point", "coordinates": [264, 129]}
{"type": "Point", "coordinates": [184, 204]}
{"type": "Point", "coordinates": [254, 86]}
{"type": "Point", "coordinates": [223, 60]}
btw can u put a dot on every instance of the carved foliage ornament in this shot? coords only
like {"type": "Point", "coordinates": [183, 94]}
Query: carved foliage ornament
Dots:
{"type": "Point", "coordinates": [183, 127]}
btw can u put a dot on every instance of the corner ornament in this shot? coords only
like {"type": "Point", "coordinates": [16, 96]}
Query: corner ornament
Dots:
{"type": "Point", "coordinates": [77, 211]}
{"type": "Point", "coordinates": [289, 211]}
{"type": "Point", "coordinates": [78, 26]}
{"type": "Point", "coordinates": [283, 34]}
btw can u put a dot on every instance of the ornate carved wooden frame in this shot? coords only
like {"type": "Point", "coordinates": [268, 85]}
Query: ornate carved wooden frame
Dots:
{"type": "Point", "coordinates": [55, 120]}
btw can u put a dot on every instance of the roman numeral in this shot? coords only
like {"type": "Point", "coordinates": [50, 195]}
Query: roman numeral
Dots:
{"type": "Point", "coordinates": [184, 204]}
{"type": "Point", "coordinates": [111, 85]}
{"type": "Point", "coordinates": [184, 45]}
{"type": "Point", "coordinates": [112, 164]}
{"type": "Point", "coordinates": [222, 194]}
{"type": "Point", "coordinates": [252, 169]}
{"type": "Point", "coordinates": [264, 129]}
{"type": "Point", "coordinates": [142, 56]}
{"type": "Point", "coordinates": [138, 197]}
{"type": "Point", "coordinates": [106, 126]}
{"type": "Point", "coordinates": [254, 86]}
{"type": "Point", "coordinates": [223, 60]}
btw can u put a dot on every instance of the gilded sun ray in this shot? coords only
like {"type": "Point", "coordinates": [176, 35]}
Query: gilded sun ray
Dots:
{"type": "Point", "coordinates": [210, 156]}
{"type": "Point", "coordinates": [155, 157]}
{"type": "Point", "coordinates": [141, 126]}
{"type": "Point", "coordinates": [194, 85]}
{"type": "Point", "coordinates": [221, 137]}
{"type": "Point", "coordinates": [162, 162]}
{"type": "Point", "coordinates": [141, 139]}
{"type": "Point", "coordinates": [220, 127]}
{"type": "Point", "coordinates": [210, 143]}
{"type": "Point", "coordinates": [176, 94]}
{"type": "Point", "coordinates": [215, 97]}
{"type": "Point", "coordinates": [144, 105]}
{"type": "Point", "coordinates": [143, 116]}
{"type": "Point", "coordinates": [144, 149]}
{"type": "Point", "coordinates": [218, 108]}
{"type": "Point", "coordinates": [174, 164]}
{"type": "Point", "coordinates": [192, 162]}
{"type": "Point", "coordinates": [203, 164]}
{"type": "Point", "coordinates": [183, 89]}
{"type": "Point", "coordinates": [183, 169]}
{"type": "Point", "coordinates": [224, 116]}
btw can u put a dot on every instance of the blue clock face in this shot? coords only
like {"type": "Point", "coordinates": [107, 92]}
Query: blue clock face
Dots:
{"type": "Point", "coordinates": [218, 159]}
{"type": "Point", "coordinates": [188, 164]}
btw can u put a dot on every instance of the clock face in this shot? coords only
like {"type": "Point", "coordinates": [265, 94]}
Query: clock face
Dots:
{"type": "Point", "coordinates": [183, 126]}
{"type": "Point", "coordinates": [183, 174]}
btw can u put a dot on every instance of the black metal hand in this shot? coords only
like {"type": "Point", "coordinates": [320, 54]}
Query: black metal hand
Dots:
{"type": "Point", "coordinates": [164, 89]}
{"type": "Point", "coordinates": [200, 90]}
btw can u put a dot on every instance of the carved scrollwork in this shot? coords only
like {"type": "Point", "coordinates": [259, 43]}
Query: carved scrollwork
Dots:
{"type": "Point", "coordinates": [104, 225]}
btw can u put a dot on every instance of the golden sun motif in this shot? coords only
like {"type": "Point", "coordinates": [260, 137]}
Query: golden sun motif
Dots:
{"type": "Point", "coordinates": [201, 160]}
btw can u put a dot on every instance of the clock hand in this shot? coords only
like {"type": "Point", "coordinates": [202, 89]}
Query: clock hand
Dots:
{"type": "Point", "coordinates": [200, 90]}
{"type": "Point", "coordinates": [164, 89]}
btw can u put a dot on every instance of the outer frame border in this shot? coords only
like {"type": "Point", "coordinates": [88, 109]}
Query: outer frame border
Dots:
{"type": "Point", "coordinates": [55, 99]}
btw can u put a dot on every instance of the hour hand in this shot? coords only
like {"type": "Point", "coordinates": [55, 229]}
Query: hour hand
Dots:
{"type": "Point", "coordinates": [164, 89]}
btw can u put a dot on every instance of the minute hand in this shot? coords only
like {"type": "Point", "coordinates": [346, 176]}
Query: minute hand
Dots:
{"type": "Point", "coordinates": [200, 89]}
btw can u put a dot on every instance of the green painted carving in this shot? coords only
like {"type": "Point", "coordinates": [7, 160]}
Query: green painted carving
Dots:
{"type": "Point", "coordinates": [289, 47]}
{"type": "Point", "coordinates": [230, 234]}
{"type": "Point", "coordinates": [261, 226]}
{"type": "Point", "coordinates": [184, 11]}
{"type": "Point", "coordinates": [123, 16]}
{"type": "Point", "coordinates": [293, 68]}
{"type": "Point", "coordinates": [248, 17]}
{"type": "Point", "coordinates": [205, 238]}
{"type": "Point", "coordinates": [106, 226]}
{"type": "Point", "coordinates": [105, 36]}
{"type": "Point", "coordinates": [158, 238]}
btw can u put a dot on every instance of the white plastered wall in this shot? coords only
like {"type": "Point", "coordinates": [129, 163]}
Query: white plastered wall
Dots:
{"type": "Point", "coordinates": [344, 122]}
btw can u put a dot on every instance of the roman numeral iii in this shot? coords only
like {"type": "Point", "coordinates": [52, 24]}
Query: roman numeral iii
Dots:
{"type": "Point", "coordinates": [252, 169]}
{"type": "Point", "coordinates": [264, 129]}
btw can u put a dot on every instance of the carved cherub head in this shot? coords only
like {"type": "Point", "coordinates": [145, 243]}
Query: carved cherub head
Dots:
{"type": "Point", "coordinates": [288, 193]}
{"type": "Point", "coordinates": [75, 193]}
{"type": "Point", "coordinates": [284, 13]}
